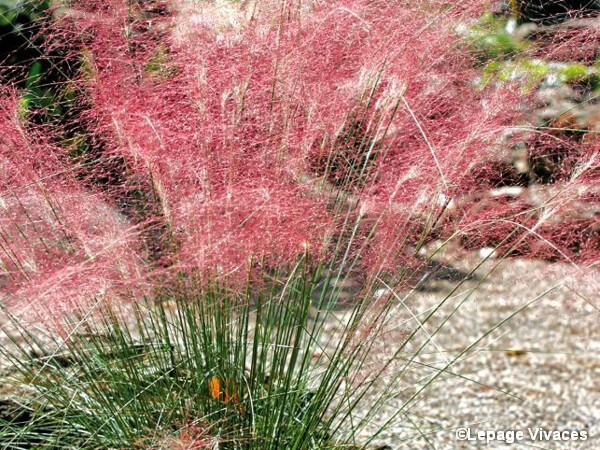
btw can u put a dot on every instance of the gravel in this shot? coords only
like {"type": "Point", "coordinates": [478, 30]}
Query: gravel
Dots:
{"type": "Point", "coordinates": [540, 369]}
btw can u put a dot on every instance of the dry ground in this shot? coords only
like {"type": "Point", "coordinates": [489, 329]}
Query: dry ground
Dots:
{"type": "Point", "coordinates": [541, 368]}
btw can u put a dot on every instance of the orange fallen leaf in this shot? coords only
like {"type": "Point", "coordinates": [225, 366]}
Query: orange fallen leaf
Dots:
{"type": "Point", "coordinates": [214, 387]}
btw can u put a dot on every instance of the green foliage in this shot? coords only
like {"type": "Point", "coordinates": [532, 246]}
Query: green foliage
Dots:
{"type": "Point", "coordinates": [533, 72]}
{"type": "Point", "coordinates": [19, 22]}
{"type": "Point", "coordinates": [248, 370]}
{"type": "Point", "coordinates": [10, 10]}
{"type": "Point", "coordinates": [490, 41]}
{"type": "Point", "coordinates": [8, 15]}
{"type": "Point", "coordinates": [577, 74]}
{"type": "Point", "coordinates": [40, 97]}
{"type": "Point", "coordinates": [530, 72]}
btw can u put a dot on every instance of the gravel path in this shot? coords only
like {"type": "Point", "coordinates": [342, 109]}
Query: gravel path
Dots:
{"type": "Point", "coordinates": [541, 368]}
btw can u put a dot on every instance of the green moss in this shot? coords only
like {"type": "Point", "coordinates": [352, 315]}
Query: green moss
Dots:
{"type": "Point", "coordinates": [573, 73]}
{"type": "Point", "coordinates": [529, 72]}
{"type": "Point", "coordinates": [536, 69]}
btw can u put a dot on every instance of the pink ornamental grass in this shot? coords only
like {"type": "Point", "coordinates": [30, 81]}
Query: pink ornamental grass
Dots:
{"type": "Point", "coordinates": [231, 133]}
{"type": "Point", "coordinates": [62, 245]}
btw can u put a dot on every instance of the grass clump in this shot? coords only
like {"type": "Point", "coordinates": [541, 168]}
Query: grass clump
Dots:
{"type": "Point", "coordinates": [204, 367]}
